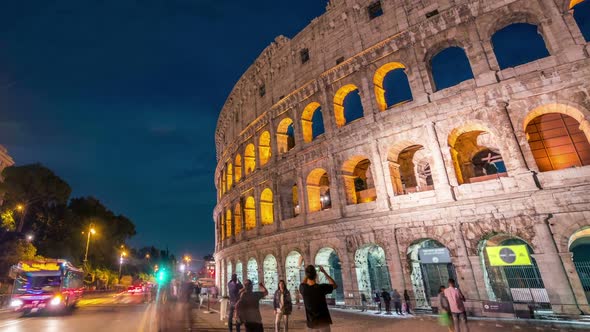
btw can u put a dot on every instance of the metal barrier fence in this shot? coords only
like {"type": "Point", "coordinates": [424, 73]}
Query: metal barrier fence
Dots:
{"type": "Point", "coordinates": [583, 269]}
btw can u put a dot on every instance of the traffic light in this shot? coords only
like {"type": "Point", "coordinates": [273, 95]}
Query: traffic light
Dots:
{"type": "Point", "coordinates": [162, 275]}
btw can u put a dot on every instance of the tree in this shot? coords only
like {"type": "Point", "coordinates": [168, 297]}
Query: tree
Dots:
{"type": "Point", "coordinates": [14, 249]}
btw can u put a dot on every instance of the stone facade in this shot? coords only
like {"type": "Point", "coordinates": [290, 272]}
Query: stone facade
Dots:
{"type": "Point", "coordinates": [460, 211]}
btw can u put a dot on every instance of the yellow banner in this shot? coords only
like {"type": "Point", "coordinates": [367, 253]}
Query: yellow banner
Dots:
{"type": "Point", "coordinates": [509, 255]}
{"type": "Point", "coordinates": [35, 267]}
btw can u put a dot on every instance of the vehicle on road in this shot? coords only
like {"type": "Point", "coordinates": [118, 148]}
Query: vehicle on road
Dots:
{"type": "Point", "coordinates": [50, 285]}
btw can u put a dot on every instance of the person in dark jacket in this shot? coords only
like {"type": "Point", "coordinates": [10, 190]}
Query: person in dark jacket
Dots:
{"type": "Point", "coordinates": [377, 300]}
{"type": "Point", "coordinates": [363, 302]}
{"type": "Point", "coordinates": [248, 307]}
{"type": "Point", "coordinates": [407, 301]}
{"type": "Point", "coordinates": [234, 287]}
{"type": "Point", "coordinates": [283, 306]}
{"type": "Point", "coordinates": [397, 302]}
{"type": "Point", "coordinates": [387, 299]}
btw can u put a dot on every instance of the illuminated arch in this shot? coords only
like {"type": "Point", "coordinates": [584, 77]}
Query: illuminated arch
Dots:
{"type": "Point", "coordinates": [266, 207]}
{"type": "Point", "coordinates": [340, 110]}
{"type": "Point", "coordinates": [381, 93]}
{"type": "Point", "coordinates": [250, 213]}
{"type": "Point", "coordinates": [285, 135]}
{"type": "Point", "coordinates": [409, 168]}
{"type": "Point", "coordinates": [264, 148]}
{"type": "Point", "coordinates": [252, 272]}
{"type": "Point", "coordinates": [318, 190]}
{"type": "Point", "coordinates": [358, 180]}
{"type": "Point", "coordinates": [230, 175]}
{"type": "Point", "coordinates": [328, 258]}
{"type": "Point", "coordinates": [294, 265]}
{"type": "Point", "coordinates": [228, 223]}
{"type": "Point", "coordinates": [312, 122]}
{"type": "Point", "coordinates": [249, 159]}
{"type": "Point", "coordinates": [238, 218]}
{"type": "Point", "coordinates": [372, 271]}
{"type": "Point", "coordinates": [271, 273]}
{"type": "Point", "coordinates": [238, 168]}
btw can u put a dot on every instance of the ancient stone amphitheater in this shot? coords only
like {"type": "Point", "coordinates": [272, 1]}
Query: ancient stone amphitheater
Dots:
{"type": "Point", "coordinates": [401, 142]}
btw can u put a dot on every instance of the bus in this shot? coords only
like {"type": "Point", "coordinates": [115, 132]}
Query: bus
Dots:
{"type": "Point", "coordinates": [52, 285]}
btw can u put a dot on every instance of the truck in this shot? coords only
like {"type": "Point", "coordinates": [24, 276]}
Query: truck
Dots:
{"type": "Point", "coordinates": [49, 285]}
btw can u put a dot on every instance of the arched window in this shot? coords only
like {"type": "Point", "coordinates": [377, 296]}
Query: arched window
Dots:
{"type": "Point", "coordinates": [347, 105]}
{"type": "Point", "coordinates": [249, 159]}
{"type": "Point", "coordinates": [318, 190]}
{"type": "Point", "coordinates": [285, 135]}
{"type": "Point", "coordinates": [517, 44]}
{"type": "Point", "coordinates": [410, 171]}
{"type": "Point", "coordinates": [391, 85]}
{"type": "Point", "coordinates": [223, 181]}
{"type": "Point", "coordinates": [221, 223]}
{"type": "Point", "coordinates": [238, 168]}
{"type": "Point", "coordinates": [582, 16]}
{"type": "Point", "coordinates": [250, 213]}
{"type": "Point", "coordinates": [557, 142]}
{"type": "Point", "coordinates": [228, 223]}
{"type": "Point", "coordinates": [312, 122]}
{"type": "Point", "coordinates": [238, 218]}
{"type": "Point", "coordinates": [266, 207]}
{"type": "Point", "coordinates": [358, 180]}
{"type": "Point", "coordinates": [295, 200]}
{"type": "Point", "coordinates": [230, 175]}
{"type": "Point", "coordinates": [264, 148]}
{"type": "Point", "coordinates": [450, 67]}
{"type": "Point", "coordinates": [475, 162]}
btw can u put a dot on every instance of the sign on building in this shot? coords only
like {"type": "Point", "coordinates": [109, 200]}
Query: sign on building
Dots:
{"type": "Point", "coordinates": [434, 256]}
{"type": "Point", "coordinates": [517, 255]}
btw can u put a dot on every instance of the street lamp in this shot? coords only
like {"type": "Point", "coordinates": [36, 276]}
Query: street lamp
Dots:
{"type": "Point", "coordinates": [123, 254]}
{"type": "Point", "coordinates": [21, 209]}
{"type": "Point", "coordinates": [92, 231]}
{"type": "Point", "coordinates": [29, 237]}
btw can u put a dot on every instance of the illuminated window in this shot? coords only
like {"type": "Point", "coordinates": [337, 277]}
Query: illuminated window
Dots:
{"type": "Point", "coordinates": [238, 168]}
{"type": "Point", "coordinates": [473, 161]}
{"type": "Point", "coordinates": [391, 85]}
{"type": "Point", "coordinates": [250, 213]}
{"type": "Point", "coordinates": [410, 171]}
{"type": "Point", "coordinates": [266, 207]}
{"type": "Point", "coordinates": [358, 180]}
{"type": "Point", "coordinates": [264, 148]}
{"type": "Point", "coordinates": [228, 224]}
{"type": "Point", "coordinates": [318, 190]}
{"type": "Point", "coordinates": [285, 135]}
{"type": "Point", "coordinates": [312, 122]}
{"type": "Point", "coordinates": [249, 159]}
{"type": "Point", "coordinates": [238, 218]}
{"type": "Point", "coordinates": [347, 105]}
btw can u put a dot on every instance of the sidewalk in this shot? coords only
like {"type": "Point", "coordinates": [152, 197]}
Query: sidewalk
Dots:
{"type": "Point", "coordinates": [346, 320]}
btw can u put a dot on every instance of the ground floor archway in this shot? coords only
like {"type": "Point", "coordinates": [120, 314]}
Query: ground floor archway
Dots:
{"type": "Point", "coordinates": [253, 272]}
{"type": "Point", "coordinates": [328, 258]}
{"type": "Point", "coordinates": [372, 271]}
{"type": "Point", "coordinates": [579, 246]}
{"type": "Point", "coordinates": [271, 274]}
{"type": "Point", "coordinates": [240, 271]}
{"type": "Point", "coordinates": [294, 267]}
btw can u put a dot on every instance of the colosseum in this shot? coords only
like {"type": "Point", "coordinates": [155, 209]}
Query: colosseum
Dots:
{"type": "Point", "coordinates": [399, 143]}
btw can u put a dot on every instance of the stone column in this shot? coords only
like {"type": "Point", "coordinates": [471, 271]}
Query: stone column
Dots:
{"type": "Point", "coordinates": [465, 271]}
{"type": "Point", "coordinates": [396, 272]}
{"type": "Point", "coordinates": [379, 177]}
{"type": "Point", "coordinates": [575, 282]}
{"type": "Point", "coordinates": [478, 275]}
{"type": "Point", "coordinates": [349, 278]}
{"type": "Point", "coordinates": [337, 196]}
{"type": "Point", "coordinates": [442, 185]}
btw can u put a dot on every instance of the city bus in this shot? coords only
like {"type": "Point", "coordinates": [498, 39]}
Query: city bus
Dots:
{"type": "Point", "coordinates": [51, 285]}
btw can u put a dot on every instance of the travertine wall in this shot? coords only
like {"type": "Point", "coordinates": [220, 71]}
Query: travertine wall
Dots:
{"type": "Point", "coordinates": [543, 209]}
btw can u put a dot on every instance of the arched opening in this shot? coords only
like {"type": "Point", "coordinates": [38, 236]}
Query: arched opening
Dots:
{"type": "Point", "coordinates": [450, 67]}
{"type": "Point", "coordinates": [285, 136]}
{"type": "Point", "coordinates": [228, 271]}
{"type": "Point", "coordinates": [557, 142]}
{"type": "Point", "coordinates": [511, 273]}
{"type": "Point", "coordinates": [358, 180]}
{"type": "Point", "coordinates": [221, 220]}
{"type": "Point", "coordinates": [372, 272]}
{"type": "Point", "coordinates": [318, 190]}
{"type": "Point", "coordinates": [249, 159]}
{"type": "Point", "coordinates": [264, 148]}
{"type": "Point", "coordinates": [347, 105]}
{"type": "Point", "coordinates": [295, 200]}
{"type": "Point", "coordinates": [476, 157]}
{"type": "Point", "coordinates": [582, 16]}
{"type": "Point", "coordinates": [253, 273]}
{"type": "Point", "coordinates": [410, 170]}
{"type": "Point", "coordinates": [271, 274]}
{"type": "Point", "coordinates": [517, 44]}
{"type": "Point", "coordinates": [223, 181]}
{"type": "Point", "coordinates": [431, 267]}
{"type": "Point", "coordinates": [238, 168]}
{"type": "Point", "coordinates": [312, 122]}
{"type": "Point", "coordinates": [579, 246]}
{"type": "Point", "coordinates": [239, 270]}
{"type": "Point", "coordinates": [230, 175]}
{"type": "Point", "coordinates": [328, 259]}
{"type": "Point", "coordinates": [266, 207]}
{"type": "Point", "coordinates": [294, 267]}
{"type": "Point", "coordinates": [391, 85]}
{"type": "Point", "coordinates": [238, 218]}
{"type": "Point", "coordinates": [228, 223]}
{"type": "Point", "coordinates": [250, 213]}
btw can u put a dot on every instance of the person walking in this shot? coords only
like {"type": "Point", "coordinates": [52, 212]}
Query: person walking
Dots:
{"type": "Point", "coordinates": [397, 302]}
{"type": "Point", "coordinates": [444, 311]}
{"type": "Point", "coordinates": [387, 299]}
{"type": "Point", "coordinates": [363, 302]}
{"type": "Point", "coordinates": [248, 307]}
{"type": "Point", "coordinates": [283, 306]}
{"type": "Point", "coordinates": [377, 300]}
{"type": "Point", "coordinates": [457, 306]}
{"type": "Point", "coordinates": [234, 286]}
{"type": "Point", "coordinates": [314, 300]}
{"type": "Point", "coordinates": [407, 301]}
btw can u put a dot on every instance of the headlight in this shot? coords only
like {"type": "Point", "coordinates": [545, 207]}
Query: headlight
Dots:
{"type": "Point", "coordinates": [56, 300]}
{"type": "Point", "coordinates": [16, 303]}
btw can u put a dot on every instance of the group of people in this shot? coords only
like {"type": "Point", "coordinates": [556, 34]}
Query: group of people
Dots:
{"type": "Point", "coordinates": [451, 304]}
{"type": "Point", "coordinates": [388, 297]}
{"type": "Point", "coordinates": [244, 303]}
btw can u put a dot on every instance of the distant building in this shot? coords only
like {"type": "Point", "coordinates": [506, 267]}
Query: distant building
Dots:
{"type": "Point", "coordinates": [396, 144]}
{"type": "Point", "coordinates": [5, 159]}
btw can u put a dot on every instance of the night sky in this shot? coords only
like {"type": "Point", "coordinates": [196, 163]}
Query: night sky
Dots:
{"type": "Point", "coordinates": [121, 97]}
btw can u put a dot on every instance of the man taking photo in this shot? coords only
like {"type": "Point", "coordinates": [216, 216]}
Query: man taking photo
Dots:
{"type": "Point", "coordinates": [314, 299]}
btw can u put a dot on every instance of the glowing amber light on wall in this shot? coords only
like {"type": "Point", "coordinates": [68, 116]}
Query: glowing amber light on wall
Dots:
{"type": "Point", "coordinates": [378, 82]}
{"type": "Point", "coordinates": [250, 213]}
{"type": "Point", "coordinates": [238, 168]}
{"type": "Point", "coordinates": [238, 219]}
{"type": "Point", "coordinates": [306, 121]}
{"type": "Point", "coordinates": [228, 224]}
{"type": "Point", "coordinates": [249, 159]}
{"type": "Point", "coordinates": [264, 148]}
{"type": "Point", "coordinates": [339, 103]}
{"type": "Point", "coordinates": [266, 207]}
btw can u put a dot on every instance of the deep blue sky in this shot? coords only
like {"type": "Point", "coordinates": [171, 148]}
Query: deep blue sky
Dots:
{"type": "Point", "coordinates": [121, 97]}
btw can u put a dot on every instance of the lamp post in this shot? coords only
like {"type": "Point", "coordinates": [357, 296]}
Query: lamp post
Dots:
{"type": "Point", "coordinates": [21, 209]}
{"type": "Point", "coordinates": [91, 230]}
{"type": "Point", "coordinates": [123, 254]}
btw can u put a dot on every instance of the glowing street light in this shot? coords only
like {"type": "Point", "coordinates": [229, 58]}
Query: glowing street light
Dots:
{"type": "Point", "coordinates": [92, 231]}
{"type": "Point", "coordinates": [29, 237]}
{"type": "Point", "coordinates": [21, 209]}
{"type": "Point", "coordinates": [123, 254]}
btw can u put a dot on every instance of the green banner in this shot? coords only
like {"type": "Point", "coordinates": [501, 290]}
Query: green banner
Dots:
{"type": "Point", "coordinates": [509, 255]}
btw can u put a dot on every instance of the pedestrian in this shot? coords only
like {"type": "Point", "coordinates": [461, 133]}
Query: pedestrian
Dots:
{"type": "Point", "coordinates": [248, 307]}
{"type": "Point", "coordinates": [203, 296]}
{"type": "Point", "coordinates": [363, 302]}
{"type": "Point", "coordinates": [283, 306]}
{"type": "Point", "coordinates": [387, 300]}
{"type": "Point", "coordinates": [397, 302]}
{"type": "Point", "coordinates": [234, 286]}
{"type": "Point", "coordinates": [444, 312]}
{"type": "Point", "coordinates": [377, 300]}
{"type": "Point", "coordinates": [298, 299]}
{"type": "Point", "coordinates": [457, 306]}
{"type": "Point", "coordinates": [407, 301]}
{"type": "Point", "coordinates": [314, 299]}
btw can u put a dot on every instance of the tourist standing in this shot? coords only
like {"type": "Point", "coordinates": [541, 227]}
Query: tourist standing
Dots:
{"type": "Point", "coordinates": [387, 299]}
{"type": "Point", "coordinates": [363, 302]}
{"type": "Point", "coordinates": [397, 302]}
{"type": "Point", "coordinates": [457, 306]}
{"type": "Point", "coordinates": [233, 287]}
{"type": "Point", "coordinates": [377, 300]}
{"type": "Point", "coordinates": [314, 299]}
{"type": "Point", "coordinates": [283, 306]}
{"type": "Point", "coordinates": [248, 307]}
{"type": "Point", "coordinates": [444, 312]}
{"type": "Point", "coordinates": [407, 301]}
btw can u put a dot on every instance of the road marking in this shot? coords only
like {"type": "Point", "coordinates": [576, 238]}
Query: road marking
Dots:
{"type": "Point", "coordinates": [10, 322]}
